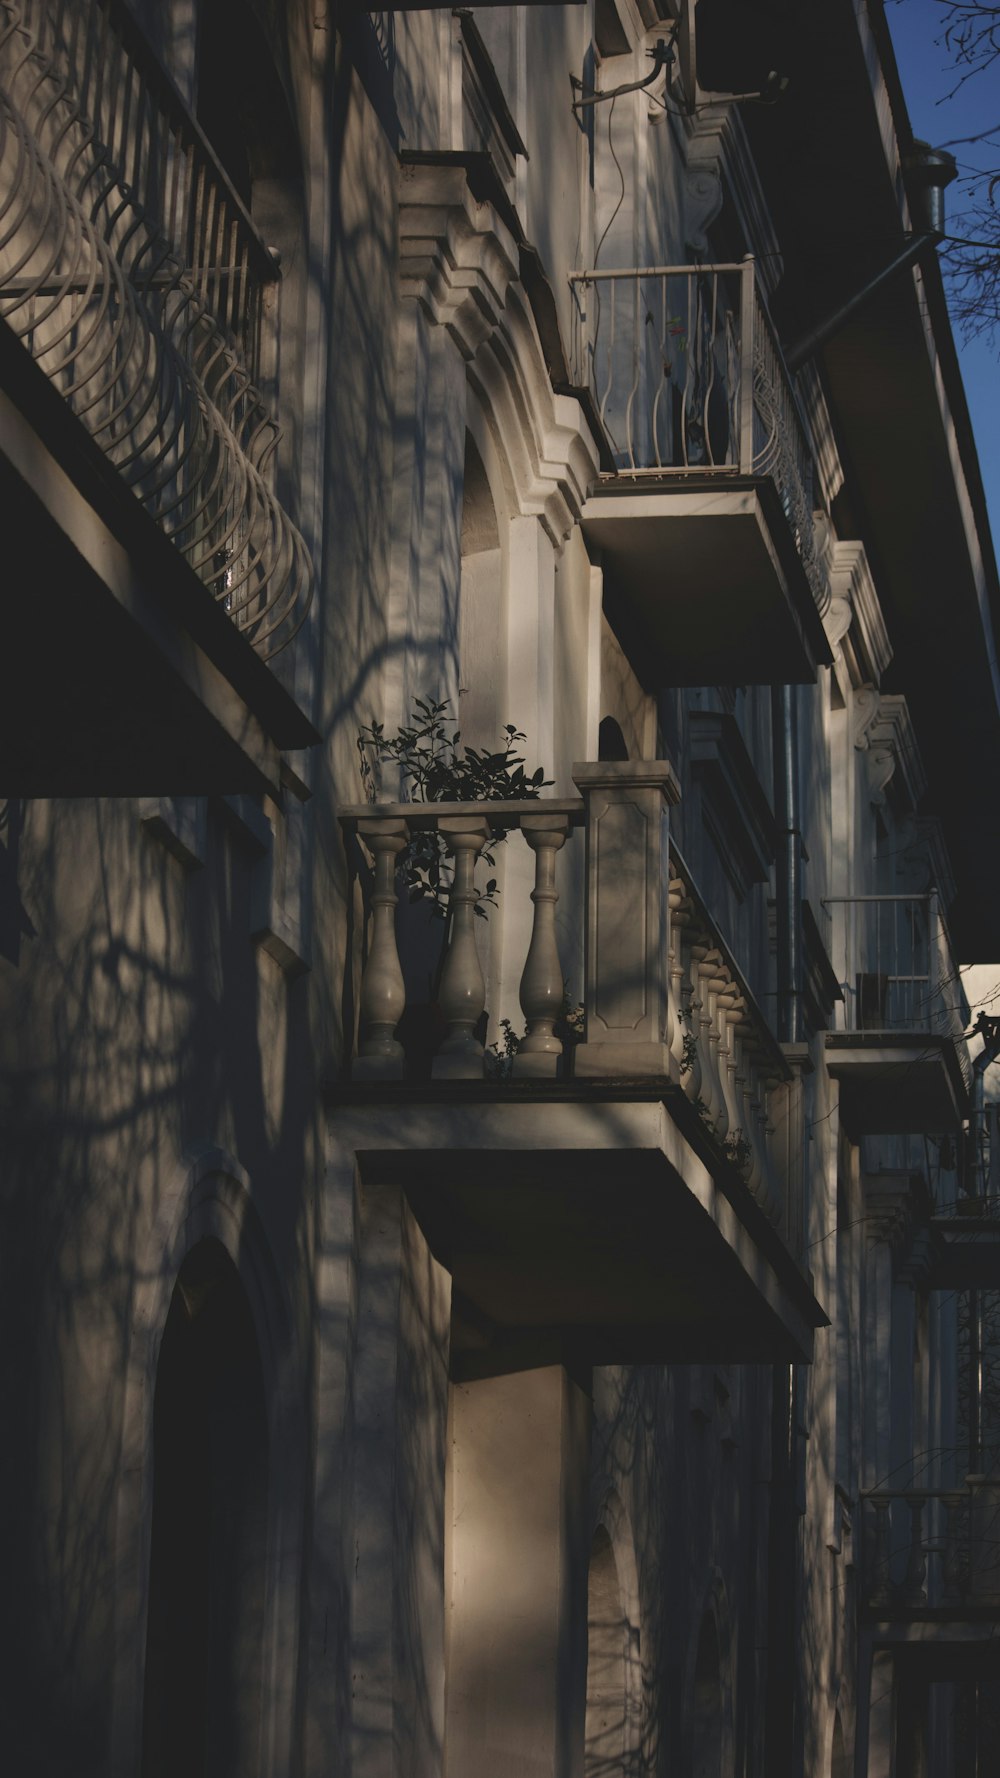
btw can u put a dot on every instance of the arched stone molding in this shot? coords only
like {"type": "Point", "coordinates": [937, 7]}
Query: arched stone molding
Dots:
{"type": "Point", "coordinates": [459, 262]}
{"type": "Point", "coordinates": [468, 335]}
{"type": "Point", "coordinates": [713, 1612]}
{"type": "Point", "coordinates": [542, 436]}
{"type": "Point", "coordinates": [611, 1520]}
{"type": "Point", "coordinates": [210, 1199]}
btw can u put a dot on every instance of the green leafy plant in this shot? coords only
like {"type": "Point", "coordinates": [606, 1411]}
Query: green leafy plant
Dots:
{"type": "Point", "coordinates": [689, 1040]}
{"type": "Point", "coordinates": [499, 1056]}
{"type": "Point", "coordinates": [435, 767]}
{"type": "Point", "coordinates": [738, 1150]}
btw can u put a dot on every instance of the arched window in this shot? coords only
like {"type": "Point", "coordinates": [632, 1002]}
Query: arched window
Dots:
{"type": "Point", "coordinates": [707, 1705]}
{"type": "Point", "coordinates": [203, 1676]}
{"type": "Point", "coordinates": [611, 742]}
{"type": "Point", "coordinates": [481, 643]}
{"type": "Point", "coordinates": [607, 1651]}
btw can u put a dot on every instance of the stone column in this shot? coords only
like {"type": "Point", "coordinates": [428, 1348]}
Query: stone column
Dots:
{"type": "Point", "coordinates": [628, 877]}
{"type": "Point", "coordinates": [516, 1561]}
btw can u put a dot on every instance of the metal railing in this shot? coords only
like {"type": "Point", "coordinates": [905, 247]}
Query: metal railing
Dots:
{"type": "Point", "coordinates": [932, 1549]}
{"type": "Point", "coordinates": [689, 379]}
{"type": "Point", "coordinates": [897, 971]}
{"type": "Point", "coordinates": [132, 273]}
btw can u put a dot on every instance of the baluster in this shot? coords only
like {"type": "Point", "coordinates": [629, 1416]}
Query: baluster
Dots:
{"type": "Point", "coordinates": [542, 982]}
{"type": "Point", "coordinates": [881, 1579]}
{"type": "Point", "coordinates": [383, 996]}
{"type": "Point", "coordinates": [714, 981]}
{"type": "Point", "coordinates": [742, 1036]}
{"type": "Point", "coordinates": [701, 1025]}
{"type": "Point", "coordinates": [675, 897]}
{"type": "Point", "coordinates": [685, 1048]}
{"type": "Point", "coordinates": [462, 995]}
{"type": "Point", "coordinates": [730, 1013]}
{"type": "Point", "coordinates": [916, 1564]}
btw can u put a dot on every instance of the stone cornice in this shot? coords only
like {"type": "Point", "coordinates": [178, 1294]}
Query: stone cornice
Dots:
{"type": "Point", "coordinates": [896, 1210]}
{"type": "Point", "coordinates": [883, 730]}
{"type": "Point", "coordinates": [717, 149]}
{"type": "Point", "coordinates": [867, 648]}
{"type": "Point", "coordinates": [893, 750]}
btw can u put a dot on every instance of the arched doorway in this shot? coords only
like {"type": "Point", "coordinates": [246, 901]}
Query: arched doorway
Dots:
{"type": "Point", "coordinates": [203, 1673]}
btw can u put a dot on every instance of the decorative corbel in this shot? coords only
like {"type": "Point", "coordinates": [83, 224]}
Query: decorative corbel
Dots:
{"type": "Point", "coordinates": [456, 258]}
{"type": "Point", "coordinates": [864, 709]}
{"type": "Point", "coordinates": [703, 197]}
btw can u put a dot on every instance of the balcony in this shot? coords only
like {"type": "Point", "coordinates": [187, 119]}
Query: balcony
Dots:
{"type": "Point", "coordinates": [931, 1574]}
{"type": "Point", "coordinates": [705, 524]}
{"type": "Point", "coordinates": [900, 1056]}
{"type": "Point", "coordinates": [153, 567]}
{"type": "Point", "coordinates": [619, 1192]}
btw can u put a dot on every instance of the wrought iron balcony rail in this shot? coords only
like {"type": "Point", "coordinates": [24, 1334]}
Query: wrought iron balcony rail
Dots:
{"type": "Point", "coordinates": [663, 993]}
{"type": "Point", "coordinates": [689, 380]}
{"type": "Point", "coordinates": [132, 273]}
{"type": "Point", "coordinates": [933, 1549]}
{"type": "Point", "coordinates": [894, 961]}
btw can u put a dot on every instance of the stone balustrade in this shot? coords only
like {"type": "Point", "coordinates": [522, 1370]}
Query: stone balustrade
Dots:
{"type": "Point", "coordinates": [933, 1549]}
{"type": "Point", "coordinates": [663, 996]}
{"type": "Point", "coordinates": [465, 829]}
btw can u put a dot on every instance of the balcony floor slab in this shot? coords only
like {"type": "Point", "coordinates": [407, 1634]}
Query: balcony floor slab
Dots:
{"type": "Point", "coordinates": [709, 574]}
{"type": "Point", "coordinates": [579, 1227]}
{"type": "Point", "coordinates": [124, 677]}
{"type": "Point", "coordinates": [894, 1083]}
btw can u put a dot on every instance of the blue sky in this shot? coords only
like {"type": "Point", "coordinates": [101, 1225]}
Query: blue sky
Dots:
{"type": "Point", "coordinates": [928, 75]}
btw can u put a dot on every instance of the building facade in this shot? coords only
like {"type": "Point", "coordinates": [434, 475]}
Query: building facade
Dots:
{"type": "Point", "coordinates": [550, 1338]}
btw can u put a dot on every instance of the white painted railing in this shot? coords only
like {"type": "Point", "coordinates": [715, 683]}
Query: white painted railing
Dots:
{"type": "Point", "coordinates": [896, 967]}
{"type": "Point", "coordinates": [689, 380]}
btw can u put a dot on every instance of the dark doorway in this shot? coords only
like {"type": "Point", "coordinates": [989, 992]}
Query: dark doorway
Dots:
{"type": "Point", "coordinates": [202, 1700]}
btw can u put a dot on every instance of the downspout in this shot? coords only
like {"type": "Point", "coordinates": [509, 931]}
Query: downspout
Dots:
{"type": "Point", "coordinates": [785, 740]}
{"type": "Point", "coordinates": [930, 170]}
{"type": "Point", "coordinates": [989, 1030]}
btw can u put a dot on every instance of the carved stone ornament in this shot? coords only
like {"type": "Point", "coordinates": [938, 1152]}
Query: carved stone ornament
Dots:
{"type": "Point", "coordinates": [456, 257]}
{"type": "Point", "coordinates": [460, 263]}
{"type": "Point", "coordinates": [703, 197]}
{"type": "Point", "coordinates": [864, 710]}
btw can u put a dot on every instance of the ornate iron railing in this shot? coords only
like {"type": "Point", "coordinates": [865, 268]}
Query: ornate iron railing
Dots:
{"type": "Point", "coordinates": [133, 275]}
{"type": "Point", "coordinates": [689, 379]}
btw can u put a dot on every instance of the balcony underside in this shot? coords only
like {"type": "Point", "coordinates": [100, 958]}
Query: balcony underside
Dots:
{"type": "Point", "coordinates": [895, 1084]}
{"type": "Point", "coordinates": [707, 572]}
{"type": "Point", "coordinates": [940, 1645]}
{"type": "Point", "coordinates": [580, 1229]}
{"type": "Point", "coordinates": [121, 674]}
{"type": "Point", "coordinates": [965, 1253]}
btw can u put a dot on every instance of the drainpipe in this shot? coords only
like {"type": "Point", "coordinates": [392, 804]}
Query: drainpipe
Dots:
{"type": "Point", "coordinates": [989, 1030]}
{"type": "Point", "coordinates": [930, 170]}
{"type": "Point", "coordinates": [785, 738]}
